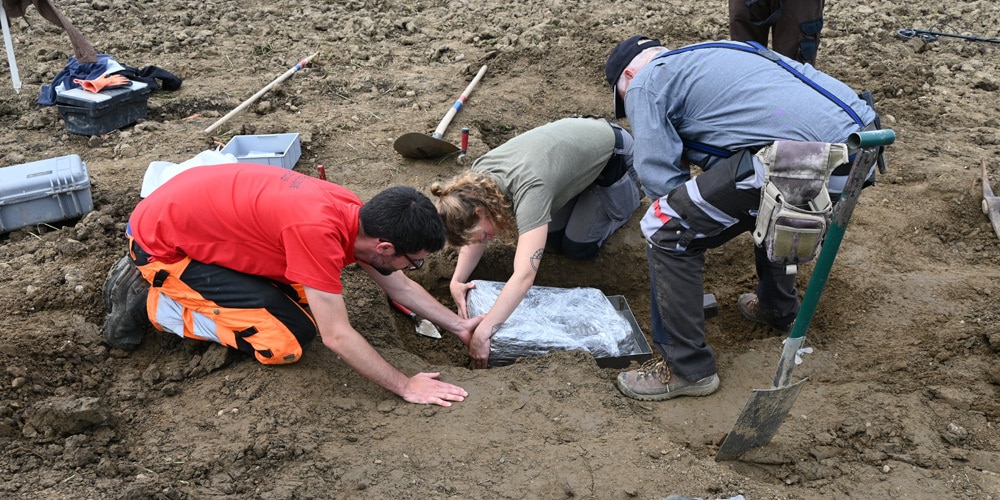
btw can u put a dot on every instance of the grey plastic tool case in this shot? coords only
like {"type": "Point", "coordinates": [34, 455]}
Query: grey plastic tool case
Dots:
{"type": "Point", "coordinates": [43, 191]}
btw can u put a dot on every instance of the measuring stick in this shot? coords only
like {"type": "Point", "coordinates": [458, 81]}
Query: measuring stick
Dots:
{"type": "Point", "coordinates": [14, 76]}
{"type": "Point", "coordinates": [259, 93]}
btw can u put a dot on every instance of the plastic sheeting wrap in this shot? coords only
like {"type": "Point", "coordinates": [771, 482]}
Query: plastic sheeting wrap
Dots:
{"type": "Point", "coordinates": [554, 319]}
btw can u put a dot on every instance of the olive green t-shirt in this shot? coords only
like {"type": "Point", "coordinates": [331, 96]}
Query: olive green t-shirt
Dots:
{"type": "Point", "coordinates": [544, 168]}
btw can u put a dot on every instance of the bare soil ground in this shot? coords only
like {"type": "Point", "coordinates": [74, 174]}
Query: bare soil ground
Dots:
{"type": "Point", "coordinates": [902, 397]}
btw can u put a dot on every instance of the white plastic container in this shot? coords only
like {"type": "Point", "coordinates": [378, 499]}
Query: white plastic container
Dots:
{"type": "Point", "coordinates": [280, 150]}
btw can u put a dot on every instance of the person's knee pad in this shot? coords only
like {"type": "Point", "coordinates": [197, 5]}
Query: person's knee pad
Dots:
{"type": "Point", "coordinates": [278, 350]}
{"type": "Point", "coordinates": [280, 343]}
{"type": "Point", "coordinates": [580, 251]}
{"type": "Point", "coordinates": [812, 28]}
{"type": "Point", "coordinates": [808, 50]}
{"type": "Point", "coordinates": [809, 46]}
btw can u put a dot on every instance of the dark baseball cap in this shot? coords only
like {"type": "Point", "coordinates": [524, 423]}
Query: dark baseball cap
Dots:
{"type": "Point", "coordinates": [619, 59]}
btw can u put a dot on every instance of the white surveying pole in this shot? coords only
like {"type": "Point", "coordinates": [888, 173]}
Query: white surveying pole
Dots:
{"type": "Point", "coordinates": [15, 78]}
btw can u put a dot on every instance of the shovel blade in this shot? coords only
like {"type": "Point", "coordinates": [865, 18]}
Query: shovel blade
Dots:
{"type": "Point", "coordinates": [991, 203]}
{"type": "Point", "coordinates": [762, 416]}
{"type": "Point", "coordinates": [422, 146]}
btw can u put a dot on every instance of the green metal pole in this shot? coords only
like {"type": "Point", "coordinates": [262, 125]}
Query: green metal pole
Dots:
{"type": "Point", "coordinates": [869, 143]}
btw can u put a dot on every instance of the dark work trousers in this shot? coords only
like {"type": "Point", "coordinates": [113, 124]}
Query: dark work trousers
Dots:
{"type": "Point", "coordinates": [678, 319]}
{"type": "Point", "coordinates": [795, 29]}
{"type": "Point", "coordinates": [579, 229]}
{"type": "Point", "coordinates": [676, 266]}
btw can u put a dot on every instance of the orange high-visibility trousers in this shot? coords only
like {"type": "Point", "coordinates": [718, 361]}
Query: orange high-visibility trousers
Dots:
{"type": "Point", "coordinates": [207, 302]}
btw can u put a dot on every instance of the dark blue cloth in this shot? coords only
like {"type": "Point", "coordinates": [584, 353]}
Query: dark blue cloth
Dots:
{"type": "Point", "coordinates": [74, 70]}
{"type": "Point", "coordinates": [150, 75]}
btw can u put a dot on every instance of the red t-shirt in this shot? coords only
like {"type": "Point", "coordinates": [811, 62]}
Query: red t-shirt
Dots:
{"type": "Point", "coordinates": [257, 219]}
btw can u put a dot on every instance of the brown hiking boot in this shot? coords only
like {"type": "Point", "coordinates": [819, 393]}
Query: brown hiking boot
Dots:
{"type": "Point", "coordinates": [124, 296]}
{"type": "Point", "coordinates": [653, 382]}
{"type": "Point", "coordinates": [749, 307]}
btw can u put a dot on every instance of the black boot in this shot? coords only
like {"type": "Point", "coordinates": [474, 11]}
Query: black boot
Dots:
{"type": "Point", "coordinates": [125, 293]}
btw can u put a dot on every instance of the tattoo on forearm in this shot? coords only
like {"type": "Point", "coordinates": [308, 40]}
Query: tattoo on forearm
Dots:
{"type": "Point", "coordinates": [495, 329]}
{"type": "Point", "coordinates": [536, 259]}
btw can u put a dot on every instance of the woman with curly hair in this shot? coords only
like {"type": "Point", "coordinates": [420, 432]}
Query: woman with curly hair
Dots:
{"type": "Point", "coordinates": [563, 187]}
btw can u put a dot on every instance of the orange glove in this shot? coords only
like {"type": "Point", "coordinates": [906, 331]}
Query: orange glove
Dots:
{"type": "Point", "coordinates": [103, 82]}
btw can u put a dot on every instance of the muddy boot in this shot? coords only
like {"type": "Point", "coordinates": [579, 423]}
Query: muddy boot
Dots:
{"type": "Point", "coordinates": [749, 306]}
{"type": "Point", "coordinates": [124, 294]}
{"type": "Point", "coordinates": [653, 382]}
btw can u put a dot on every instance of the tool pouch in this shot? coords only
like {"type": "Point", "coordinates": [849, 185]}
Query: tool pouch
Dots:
{"type": "Point", "coordinates": [790, 234]}
{"type": "Point", "coordinates": [795, 207]}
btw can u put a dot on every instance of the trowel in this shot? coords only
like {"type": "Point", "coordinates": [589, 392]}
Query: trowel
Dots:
{"type": "Point", "coordinates": [424, 327]}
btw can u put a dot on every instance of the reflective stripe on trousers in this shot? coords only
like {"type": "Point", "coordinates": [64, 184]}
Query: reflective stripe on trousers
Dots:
{"type": "Point", "coordinates": [212, 303]}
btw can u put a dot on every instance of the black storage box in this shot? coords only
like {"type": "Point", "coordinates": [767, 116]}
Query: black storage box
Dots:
{"type": "Point", "coordinates": [97, 113]}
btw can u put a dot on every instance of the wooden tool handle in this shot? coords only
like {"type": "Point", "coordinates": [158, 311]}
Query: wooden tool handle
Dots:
{"type": "Point", "coordinates": [439, 132]}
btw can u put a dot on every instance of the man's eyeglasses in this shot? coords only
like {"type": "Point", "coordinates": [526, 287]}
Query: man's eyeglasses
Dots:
{"type": "Point", "coordinates": [414, 264]}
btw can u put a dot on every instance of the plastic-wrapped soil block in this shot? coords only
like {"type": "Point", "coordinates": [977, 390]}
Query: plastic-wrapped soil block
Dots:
{"type": "Point", "coordinates": [554, 319]}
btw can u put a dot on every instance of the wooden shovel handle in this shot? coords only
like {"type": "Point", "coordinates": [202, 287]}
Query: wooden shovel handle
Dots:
{"type": "Point", "coordinates": [439, 132]}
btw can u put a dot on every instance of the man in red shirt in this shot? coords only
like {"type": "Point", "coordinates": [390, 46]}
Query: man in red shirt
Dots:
{"type": "Point", "coordinates": [236, 253]}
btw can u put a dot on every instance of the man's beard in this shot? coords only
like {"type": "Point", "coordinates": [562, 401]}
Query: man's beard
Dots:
{"type": "Point", "coordinates": [383, 271]}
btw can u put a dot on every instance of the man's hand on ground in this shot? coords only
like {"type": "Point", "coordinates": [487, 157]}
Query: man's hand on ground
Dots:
{"type": "Point", "coordinates": [424, 388]}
